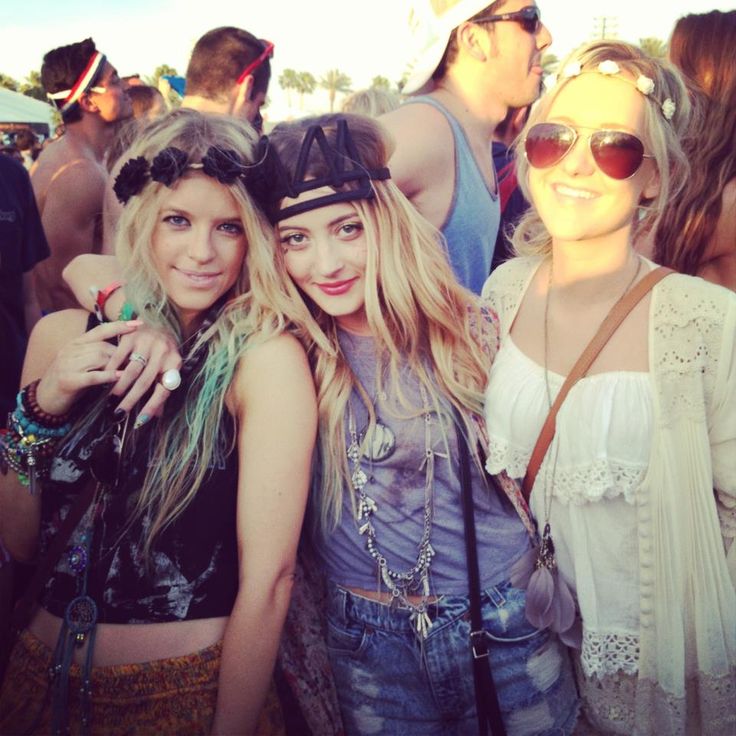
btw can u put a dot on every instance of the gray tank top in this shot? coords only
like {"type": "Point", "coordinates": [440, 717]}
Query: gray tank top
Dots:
{"type": "Point", "coordinates": [397, 485]}
{"type": "Point", "coordinates": [474, 216]}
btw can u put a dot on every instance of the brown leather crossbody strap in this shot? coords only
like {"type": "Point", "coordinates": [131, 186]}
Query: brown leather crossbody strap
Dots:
{"type": "Point", "coordinates": [610, 324]}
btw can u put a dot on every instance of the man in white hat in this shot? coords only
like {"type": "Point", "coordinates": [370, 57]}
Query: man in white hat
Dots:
{"type": "Point", "coordinates": [472, 62]}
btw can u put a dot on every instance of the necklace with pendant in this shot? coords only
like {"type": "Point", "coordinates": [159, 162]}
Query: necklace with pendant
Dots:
{"type": "Point", "coordinates": [414, 581]}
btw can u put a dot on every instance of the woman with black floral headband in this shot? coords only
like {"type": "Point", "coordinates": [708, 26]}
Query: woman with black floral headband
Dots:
{"type": "Point", "coordinates": [163, 611]}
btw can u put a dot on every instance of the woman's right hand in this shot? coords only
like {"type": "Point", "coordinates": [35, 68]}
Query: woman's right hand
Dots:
{"type": "Point", "coordinates": [81, 364]}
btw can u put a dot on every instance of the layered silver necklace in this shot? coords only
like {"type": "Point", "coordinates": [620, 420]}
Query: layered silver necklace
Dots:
{"type": "Point", "coordinates": [415, 581]}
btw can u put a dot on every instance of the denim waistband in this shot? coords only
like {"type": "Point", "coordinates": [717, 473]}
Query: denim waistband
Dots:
{"type": "Point", "coordinates": [346, 605]}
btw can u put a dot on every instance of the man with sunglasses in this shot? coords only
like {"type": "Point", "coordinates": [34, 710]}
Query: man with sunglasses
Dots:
{"type": "Point", "coordinates": [472, 61]}
{"type": "Point", "coordinates": [69, 176]}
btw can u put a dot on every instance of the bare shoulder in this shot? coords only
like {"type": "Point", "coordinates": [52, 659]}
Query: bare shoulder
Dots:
{"type": "Point", "coordinates": [80, 173]}
{"type": "Point", "coordinates": [418, 125]}
{"type": "Point", "coordinates": [275, 370]}
{"type": "Point", "coordinates": [423, 148]}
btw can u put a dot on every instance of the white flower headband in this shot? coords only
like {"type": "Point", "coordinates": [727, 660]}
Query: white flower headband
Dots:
{"type": "Point", "coordinates": [644, 84]}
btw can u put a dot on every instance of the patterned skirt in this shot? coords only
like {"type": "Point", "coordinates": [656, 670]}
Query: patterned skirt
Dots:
{"type": "Point", "coordinates": [166, 696]}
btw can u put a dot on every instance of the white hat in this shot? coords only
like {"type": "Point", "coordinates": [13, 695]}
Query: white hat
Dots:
{"type": "Point", "coordinates": [431, 23]}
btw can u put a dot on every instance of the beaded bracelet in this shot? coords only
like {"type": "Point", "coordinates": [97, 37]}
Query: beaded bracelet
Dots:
{"type": "Point", "coordinates": [28, 444]}
{"type": "Point", "coordinates": [27, 405]}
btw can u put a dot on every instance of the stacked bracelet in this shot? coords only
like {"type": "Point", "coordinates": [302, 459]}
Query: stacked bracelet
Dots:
{"type": "Point", "coordinates": [28, 444]}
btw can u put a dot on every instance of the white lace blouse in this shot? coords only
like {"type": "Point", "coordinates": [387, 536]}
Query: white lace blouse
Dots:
{"type": "Point", "coordinates": [589, 478]}
{"type": "Point", "coordinates": [686, 672]}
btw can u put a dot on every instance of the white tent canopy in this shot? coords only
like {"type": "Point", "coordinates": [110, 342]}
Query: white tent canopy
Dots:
{"type": "Point", "coordinates": [18, 108]}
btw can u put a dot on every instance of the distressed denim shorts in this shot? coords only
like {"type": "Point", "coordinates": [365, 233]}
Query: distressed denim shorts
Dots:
{"type": "Point", "coordinates": [388, 684]}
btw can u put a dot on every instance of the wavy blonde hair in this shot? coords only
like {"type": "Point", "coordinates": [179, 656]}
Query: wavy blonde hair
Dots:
{"type": "Point", "coordinates": [419, 315]}
{"type": "Point", "coordinates": [703, 47]}
{"type": "Point", "coordinates": [188, 442]}
{"type": "Point", "coordinates": [661, 137]}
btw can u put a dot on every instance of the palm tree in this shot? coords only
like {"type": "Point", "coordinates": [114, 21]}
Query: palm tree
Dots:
{"type": "Point", "coordinates": [380, 82]}
{"type": "Point", "coordinates": [306, 84]}
{"type": "Point", "coordinates": [335, 81]}
{"type": "Point", "coordinates": [160, 71]}
{"type": "Point", "coordinates": [288, 81]}
{"type": "Point", "coordinates": [32, 87]}
{"type": "Point", "coordinates": [654, 47]}
{"type": "Point", "coordinates": [7, 82]}
{"type": "Point", "coordinates": [549, 64]}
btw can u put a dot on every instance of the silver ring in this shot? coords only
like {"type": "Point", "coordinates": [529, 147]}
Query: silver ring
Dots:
{"type": "Point", "coordinates": [138, 358]}
{"type": "Point", "coordinates": [171, 379]}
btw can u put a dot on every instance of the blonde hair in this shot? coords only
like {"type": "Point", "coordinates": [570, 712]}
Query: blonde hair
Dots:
{"type": "Point", "coordinates": [188, 442]}
{"type": "Point", "coordinates": [371, 102]}
{"type": "Point", "coordinates": [419, 315]}
{"type": "Point", "coordinates": [661, 137]}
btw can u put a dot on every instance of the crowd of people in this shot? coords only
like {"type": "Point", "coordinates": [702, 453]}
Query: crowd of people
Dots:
{"type": "Point", "coordinates": [419, 418]}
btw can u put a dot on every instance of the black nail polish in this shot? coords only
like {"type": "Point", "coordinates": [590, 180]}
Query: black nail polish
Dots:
{"type": "Point", "coordinates": [119, 413]}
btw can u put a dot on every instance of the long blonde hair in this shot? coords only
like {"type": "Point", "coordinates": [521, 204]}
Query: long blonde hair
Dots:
{"type": "Point", "coordinates": [419, 315]}
{"type": "Point", "coordinates": [188, 442]}
{"type": "Point", "coordinates": [661, 137]}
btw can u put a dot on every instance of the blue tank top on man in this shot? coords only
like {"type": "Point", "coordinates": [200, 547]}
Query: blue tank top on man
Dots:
{"type": "Point", "coordinates": [472, 222]}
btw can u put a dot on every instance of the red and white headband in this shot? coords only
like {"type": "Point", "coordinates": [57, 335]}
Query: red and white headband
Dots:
{"type": "Point", "coordinates": [64, 99]}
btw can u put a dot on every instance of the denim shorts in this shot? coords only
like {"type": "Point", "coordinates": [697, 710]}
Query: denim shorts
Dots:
{"type": "Point", "coordinates": [387, 683]}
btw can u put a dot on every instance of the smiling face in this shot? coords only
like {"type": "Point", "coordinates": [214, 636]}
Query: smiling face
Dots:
{"type": "Point", "coordinates": [574, 198]}
{"type": "Point", "coordinates": [198, 245]}
{"type": "Point", "coordinates": [325, 255]}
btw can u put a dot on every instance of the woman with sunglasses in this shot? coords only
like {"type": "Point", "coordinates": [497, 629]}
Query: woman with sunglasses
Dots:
{"type": "Point", "coordinates": [163, 611]}
{"type": "Point", "coordinates": [626, 488]}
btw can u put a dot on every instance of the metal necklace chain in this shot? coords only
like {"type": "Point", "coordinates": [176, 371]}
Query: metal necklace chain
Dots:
{"type": "Point", "coordinates": [414, 581]}
{"type": "Point", "coordinates": [548, 485]}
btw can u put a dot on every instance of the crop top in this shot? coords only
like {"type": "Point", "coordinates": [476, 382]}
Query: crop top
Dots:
{"type": "Point", "coordinates": [192, 570]}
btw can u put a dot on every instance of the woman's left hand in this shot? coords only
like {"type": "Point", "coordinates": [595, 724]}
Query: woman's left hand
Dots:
{"type": "Point", "coordinates": [149, 353]}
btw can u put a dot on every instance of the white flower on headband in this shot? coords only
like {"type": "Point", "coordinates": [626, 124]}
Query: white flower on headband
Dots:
{"type": "Point", "coordinates": [645, 85]}
{"type": "Point", "coordinates": [608, 67]}
{"type": "Point", "coordinates": [668, 108]}
{"type": "Point", "coordinates": [571, 70]}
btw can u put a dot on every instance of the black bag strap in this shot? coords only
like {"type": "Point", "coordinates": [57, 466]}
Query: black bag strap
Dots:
{"type": "Point", "coordinates": [486, 699]}
{"type": "Point", "coordinates": [26, 604]}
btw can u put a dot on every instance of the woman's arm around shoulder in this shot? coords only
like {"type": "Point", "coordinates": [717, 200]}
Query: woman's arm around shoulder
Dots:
{"type": "Point", "coordinates": [274, 402]}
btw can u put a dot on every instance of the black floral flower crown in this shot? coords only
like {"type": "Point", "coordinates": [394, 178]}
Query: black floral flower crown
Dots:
{"type": "Point", "coordinates": [170, 164]}
{"type": "Point", "coordinates": [268, 180]}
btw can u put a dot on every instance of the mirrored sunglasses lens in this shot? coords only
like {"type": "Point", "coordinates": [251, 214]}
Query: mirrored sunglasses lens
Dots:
{"type": "Point", "coordinates": [530, 19]}
{"type": "Point", "coordinates": [546, 144]}
{"type": "Point", "coordinates": [618, 155]}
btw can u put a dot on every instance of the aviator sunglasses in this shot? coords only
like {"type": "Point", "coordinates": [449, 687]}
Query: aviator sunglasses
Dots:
{"type": "Point", "coordinates": [529, 18]}
{"type": "Point", "coordinates": [616, 153]}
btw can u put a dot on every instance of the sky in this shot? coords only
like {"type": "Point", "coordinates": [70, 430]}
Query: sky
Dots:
{"type": "Point", "coordinates": [362, 38]}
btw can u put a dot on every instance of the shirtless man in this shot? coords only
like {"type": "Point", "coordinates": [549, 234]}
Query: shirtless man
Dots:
{"type": "Point", "coordinates": [69, 176]}
{"type": "Point", "coordinates": [228, 74]}
{"type": "Point", "coordinates": [472, 62]}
